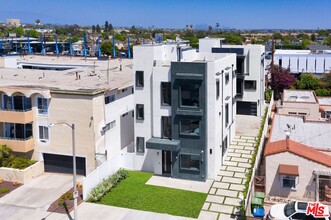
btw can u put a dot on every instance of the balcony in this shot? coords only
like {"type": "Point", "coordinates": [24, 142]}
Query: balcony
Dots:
{"type": "Point", "coordinates": [18, 144]}
{"type": "Point", "coordinates": [16, 116]}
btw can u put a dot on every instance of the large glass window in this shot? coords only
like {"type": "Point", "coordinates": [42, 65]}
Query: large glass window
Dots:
{"type": "Point", "coordinates": [42, 106]}
{"type": "Point", "coordinates": [139, 78]}
{"type": "Point", "coordinates": [165, 93]}
{"type": "Point", "coordinates": [190, 95]}
{"type": "Point", "coordinates": [190, 126]}
{"type": "Point", "coordinates": [190, 162]}
{"type": "Point", "coordinates": [43, 133]}
{"type": "Point", "coordinates": [140, 145]}
{"type": "Point", "coordinates": [166, 127]}
{"type": "Point", "coordinates": [140, 111]}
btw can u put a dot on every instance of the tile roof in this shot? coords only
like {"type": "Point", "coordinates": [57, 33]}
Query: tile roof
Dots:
{"type": "Point", "coordinates": [298, 149]}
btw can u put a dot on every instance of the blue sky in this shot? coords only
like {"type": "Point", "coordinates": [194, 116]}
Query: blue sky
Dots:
{"type": "Point", "coordinates": [240, 14]}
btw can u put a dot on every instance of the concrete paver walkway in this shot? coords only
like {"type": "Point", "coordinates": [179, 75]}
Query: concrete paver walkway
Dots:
{"type": "Point", "coordinates": [226, 194]}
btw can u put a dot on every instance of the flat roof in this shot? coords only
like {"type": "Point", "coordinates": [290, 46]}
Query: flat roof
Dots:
{"type": "Point", "coordinates": [92, 72]}
{"type": "Point", "coordinates": [324, 100]}
{"type": "Point", "coordinates": [299, 96]}
{"type": "Point", "coordinates": [313, 134]}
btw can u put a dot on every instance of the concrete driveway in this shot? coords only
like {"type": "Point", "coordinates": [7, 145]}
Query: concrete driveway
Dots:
{"type": "Point", "coordinates": [32, 200]}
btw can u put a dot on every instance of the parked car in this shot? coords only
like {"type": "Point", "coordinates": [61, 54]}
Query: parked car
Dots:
{"type": "Point", "coordinates": [294, 210]}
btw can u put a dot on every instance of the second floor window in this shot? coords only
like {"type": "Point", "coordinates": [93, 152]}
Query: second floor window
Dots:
{"type": "Point", "coordinates": [166, 126]}
{"type": "Point", "coordinates": [43, 133]}
{"type": "Point", "coordinates": [140, 111]}
{"type": "Point", "coordinates": [139, 78]}
{"type": "Point", "coordinates": [166, 93]}
{"type": "Point", "coordinates": [42, 106]}
{"type": "Point", "coordinates": [190, 95]}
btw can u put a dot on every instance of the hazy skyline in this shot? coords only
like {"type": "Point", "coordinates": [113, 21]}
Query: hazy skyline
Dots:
{"type": "Point", "coordinates": [253, 14]}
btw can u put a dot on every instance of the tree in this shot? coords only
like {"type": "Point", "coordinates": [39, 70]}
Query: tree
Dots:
{"type": "Point", "coordinates": [106, 48]}
{"type": "Point", "coordinates": [326, 80]}
{"type": "Point", "coordinates": [210, 27]}
{"type": "Point", "coordinates": [308, 81]}
{"type": "Point", "coordinates": [75, 39]}
{"type": "Point", "coordinates": [191, 26]}
{"type": "Point", "coordinates": [305, 43]}
{"type": "Point", "coordinates": [32, 33]}
{"type": "Point", "coordinates": [217, 25]}
{"type": "Point", "coordinates": [110, 27]}
{"type": "Point", "coordinates": [98, 29]}
{"type": "Point", "coordinates": [19, 31]}
{"type": "Point", "coordinates": [106, 26]}
{"type": "Point", "coordinates": [93, 28]}
{"type": "Point", "coordinates": [327, 41]}
{"type": "Point", "coordinates": [280, 79]}
{"type": "Point", "coordinates": [277, 36]}
{"type": "Point", "coordinates": [313, 37]}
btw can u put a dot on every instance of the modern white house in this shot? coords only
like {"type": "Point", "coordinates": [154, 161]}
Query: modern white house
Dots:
{"type": "Point", "coordinates": [184, 110]}
{"type": "Point", "coordinates": [250, 71]}
{"type": "Point", "coordinates": [48, 90]}
{"type": "Point", "coordinates": [303, 61]}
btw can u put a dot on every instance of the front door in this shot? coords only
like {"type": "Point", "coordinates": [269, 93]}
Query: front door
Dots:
{"type": "Point", "coordinates": [166, 162]}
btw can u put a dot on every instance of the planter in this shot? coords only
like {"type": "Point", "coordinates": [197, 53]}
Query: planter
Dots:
{"type": "Point", "coordinates": [22, 176]}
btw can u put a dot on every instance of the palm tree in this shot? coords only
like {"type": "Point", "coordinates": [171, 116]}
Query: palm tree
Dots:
{"type": "Point", "coordinates": [4, 152]}
{"type": "Point", "coordinates": [217, 24]}
{"type": "Point", "coordinates": [37, 21]}
{"type": "Point", "coordinates": [191, 26]}
{"type": "Point", "coordinates": [187, 26]}
{"type": "Point", "coordinates": [210, 28]}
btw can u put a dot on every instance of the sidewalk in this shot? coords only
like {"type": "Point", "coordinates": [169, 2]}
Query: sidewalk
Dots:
{"type": "Point", "coordinates": [225, 196]}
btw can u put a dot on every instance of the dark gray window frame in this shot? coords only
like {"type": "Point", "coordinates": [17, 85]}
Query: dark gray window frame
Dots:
{"type": "Point", "coordinates": [227, 78]}
{"type": "Point", "coordinates": [165, 119]}
{"type": "Point", "coordinates": [217, 89]}
{"type": "Point", "coordinates": [138, 113]}
{"type": "Point", "coordinates": [190, 134]}
{"type": "Point", "coordinates": [140, 145]}
{"type": "Point", "coordinates": [180, 95]}
{"type": "Point", "coordinates": [253, 88]}
{"type": "Point", "coordinates": [226, 114]}
{"type": "Point", "coordinates": [166, 84]}
{"type": "Point", "coordinates": [192, 168]}
{"type": "Point", "coordinates": [139, 79]}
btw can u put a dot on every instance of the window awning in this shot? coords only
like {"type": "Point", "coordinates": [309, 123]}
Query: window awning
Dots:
{"type": "Point", "coordinates": [163, 144]}
{"type": "Point", "coordinates": [290, 170]}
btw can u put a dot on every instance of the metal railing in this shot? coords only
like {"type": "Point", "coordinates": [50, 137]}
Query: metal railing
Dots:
{"type": "Point", "coordinates": [16, 139]}
{"type": "Point", "coordinates": [16, 110]}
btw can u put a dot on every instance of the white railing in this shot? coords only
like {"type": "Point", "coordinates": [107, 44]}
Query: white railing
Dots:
{"type": "Point", "coordinates": [250, 190]}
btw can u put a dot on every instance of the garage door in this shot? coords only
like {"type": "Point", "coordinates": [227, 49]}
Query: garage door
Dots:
{"type": "Point", "coordinates": [247, 108]}
{"type": "Point", "coordinates": [63, 164]}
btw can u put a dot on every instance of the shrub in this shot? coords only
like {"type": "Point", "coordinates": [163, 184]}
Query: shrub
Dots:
{"type": "Point", "coordinates": [2, 180]}
{"type": "Point", "coordinates": [106, 185]}
{"type": "Point", "coordinates": [4, 190]}
{"type": "Point", "coordinates": [64, 198]}
{"type": "Point", "coordinates": [268, 94]}
{"type": "Point", "coordinates": [17, 162]}
{"type": "Point", "coordinates": [16, 183]}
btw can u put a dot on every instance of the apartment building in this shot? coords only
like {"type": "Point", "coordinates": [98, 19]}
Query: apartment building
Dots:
{"type": "Point", "coordinates": [185, 110]}
{"type": "Point", "coordinates": [250, 71]}
{"type": "Point", "coordinates": [95, 96]}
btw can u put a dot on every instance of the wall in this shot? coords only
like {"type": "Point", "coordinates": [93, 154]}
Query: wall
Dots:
{"type": "Point", "coordinates": [22, 176]}
{"type": "Point", "coordinates": [305, 184]}
{"type": "Point", "coordinates": [311, 109]}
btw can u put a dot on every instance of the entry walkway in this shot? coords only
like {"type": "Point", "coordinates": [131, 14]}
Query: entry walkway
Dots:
{"type": "Point", "coordinates": [226, 194]}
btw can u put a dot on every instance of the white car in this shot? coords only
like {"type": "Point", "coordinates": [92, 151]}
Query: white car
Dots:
{"type": "Point", "coordinates": [293, 211]}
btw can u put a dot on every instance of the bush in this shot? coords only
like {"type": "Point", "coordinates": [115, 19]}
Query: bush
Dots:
{"type": "Point", "coordinates": [106, 185]}
{"type": "Point", "coordinates": [64, 198]}
{"type": "Point", "coordinates": [2, 180]}
{"type": "Point", "coordinates": [4, 190]}
{"type": "Point", "coordinates": [17, 162]}
{"type": "Point", "coordinates": [323, 92]}
{"type": "Point", "coordinates": [268, 94]}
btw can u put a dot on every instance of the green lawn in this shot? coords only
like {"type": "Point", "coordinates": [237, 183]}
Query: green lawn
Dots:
{"type": "Point", "coordinates": [133, 193]}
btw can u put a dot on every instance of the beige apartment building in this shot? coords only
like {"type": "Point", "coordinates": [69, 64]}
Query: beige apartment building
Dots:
{"type": "Point", "coordinates": [95, 96]}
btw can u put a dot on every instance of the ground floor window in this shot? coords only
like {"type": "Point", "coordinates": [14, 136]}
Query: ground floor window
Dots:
{"type": "Point", "coordinates": [288, 181]}
{"type": "Point", "coordinates": [190, 162]}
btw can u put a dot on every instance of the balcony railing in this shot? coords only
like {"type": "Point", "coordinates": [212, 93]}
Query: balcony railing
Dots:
{"type": "Point", "coordinates": [16, 110]}
{"type": "Point", "coordinates": [18, 144]}
{"type": "Point", "coordinates": [16, 116]}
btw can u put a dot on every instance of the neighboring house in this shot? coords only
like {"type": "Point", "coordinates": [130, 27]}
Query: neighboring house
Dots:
{"type": "Point", "coordinates": [297, 171]}
{"type": "Point", "coordinates": [303, 61]}
{"type": "Point", "coordinates": [250, 65]}
{"type": "Point", "coordinates": [185, 110]}
{"type": "Point", "coordinates": [67, 90]}
{"type": "Point", "coordinates": [305, 103]}
{"type": "Point", "coordinates": [298, 158]}
{"type": "Point", "coordinates": [13, 22]}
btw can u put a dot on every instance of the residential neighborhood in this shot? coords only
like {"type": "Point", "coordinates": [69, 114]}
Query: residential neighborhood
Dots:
{"type": "Point", "coordinates": [207, 116]}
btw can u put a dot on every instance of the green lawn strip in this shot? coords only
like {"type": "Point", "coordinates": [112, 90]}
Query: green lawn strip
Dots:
{"type": "Point", "coordinates": [133, 193]}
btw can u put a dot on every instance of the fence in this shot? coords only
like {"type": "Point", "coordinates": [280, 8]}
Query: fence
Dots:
{"type": "Point", "coordinates": [250, 190]}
